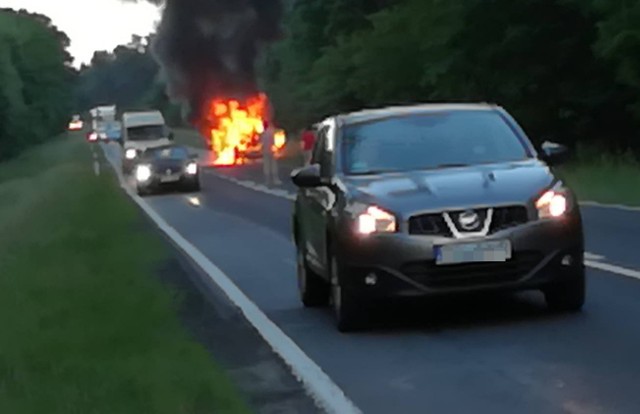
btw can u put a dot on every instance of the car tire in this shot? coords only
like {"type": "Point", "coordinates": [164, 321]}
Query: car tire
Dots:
{"type": "Point", "coordinates": [313, 290]}
{"type": "Point", "coordinates": [195, 187]}
{"type": "Point", "coordinates": [347, 307]}
{"type": "Point", "coordinates": [142, 191]}
{"type": "Point", "coordinates": [568, 295]}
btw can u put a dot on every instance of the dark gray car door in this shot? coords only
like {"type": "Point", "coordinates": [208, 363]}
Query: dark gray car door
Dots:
{"type": "Point", "coordinates": [308, 212]}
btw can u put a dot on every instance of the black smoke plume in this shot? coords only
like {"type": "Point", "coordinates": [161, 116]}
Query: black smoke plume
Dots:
{"type": "Point", "coordinates": [208, 48]}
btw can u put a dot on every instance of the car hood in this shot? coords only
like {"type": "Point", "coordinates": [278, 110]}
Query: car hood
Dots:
{"type": "Point", "coordinates": [453, 188]}
{"type": "Point", "coordinates": [163, 164]}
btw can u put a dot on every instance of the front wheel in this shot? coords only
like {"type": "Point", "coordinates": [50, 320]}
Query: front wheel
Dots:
{"type": "Point", "coordinates": [142, 191]}
{"type": "Point", "coordinates": [346, 306]}
{"type": "Point", "coordinates": [567, 295]}
{"type": "Point", "coordinates": [313, 290]}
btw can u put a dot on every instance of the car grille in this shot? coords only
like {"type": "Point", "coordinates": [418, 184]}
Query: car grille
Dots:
{"type": "Point", "coordinates": [429, 225]}
{"type": "Point", "coordinates": [434, 224]}
{"type": "Point", "coordinates": [506, 217]}
{"type": "Point", "coordinates": [472, 274]}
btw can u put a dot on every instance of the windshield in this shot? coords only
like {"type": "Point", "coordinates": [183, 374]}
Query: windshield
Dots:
{"type": "Point", "coordinates": [146, 133]}
{"type": "Point", "coordinates": [171, 153]}
{"type": "Point", "coordinates": [428, 141]}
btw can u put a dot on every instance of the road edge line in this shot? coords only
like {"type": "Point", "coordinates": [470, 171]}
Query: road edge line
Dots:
{"type": "Point", "coordinates": [622, 207]}
{"type": "Point", "coordinates": [317, 383]}
{"type": "Point", "coordinates": [619, 270]}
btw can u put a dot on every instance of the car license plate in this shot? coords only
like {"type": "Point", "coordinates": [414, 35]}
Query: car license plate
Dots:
{"type": "Point", "coordinates": [484, 251]}
{"type": "Point", "coordinates": [170, 178]}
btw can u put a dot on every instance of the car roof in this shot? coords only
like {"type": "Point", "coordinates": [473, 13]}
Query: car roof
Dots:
{"type": "Point", "coordinates": [142, 118]}
{"type": "Point", "coordinates": [393, 111]}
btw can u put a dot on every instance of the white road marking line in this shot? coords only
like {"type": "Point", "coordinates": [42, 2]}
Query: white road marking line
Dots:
{"type": "Point", "coordinates": [592, 256]}
{"type": "Point", "coordinates": [318, 384]}
{"type": "Point", "coordinates": [590, 259]}
{"type": "Point", "coordinates": [611, 206]}
{"type": "Point", "coordinates": [613, 269]}
{"type": "Point", "coordinates": [194, 201]}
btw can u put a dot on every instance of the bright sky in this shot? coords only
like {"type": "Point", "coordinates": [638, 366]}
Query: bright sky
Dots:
{"type": "Point", "coordinates": [93, 24]}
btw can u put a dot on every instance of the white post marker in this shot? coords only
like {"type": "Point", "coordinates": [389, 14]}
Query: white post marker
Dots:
{"type": "Point", "coordinates": [318, 384]}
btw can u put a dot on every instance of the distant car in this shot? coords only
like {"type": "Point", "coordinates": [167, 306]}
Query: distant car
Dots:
{"type": "Point", "coordinates": [92, 136]}
{"type": "Point", "coordinates": [76, 123]}
{"type": "Point", "coordinates": [165, 167]}
{"type": "Point", "coordinates": [140, 131]}
{"type": "Point", "coordinates": [114, 131]}
{"type": "Point", "coordinates": [431, 200]}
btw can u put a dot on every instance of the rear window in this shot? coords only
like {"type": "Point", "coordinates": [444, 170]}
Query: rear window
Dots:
{"type": "Point", "coordinates": [146, 133]}
{"type": "Point", "coordinates": [427, 141]}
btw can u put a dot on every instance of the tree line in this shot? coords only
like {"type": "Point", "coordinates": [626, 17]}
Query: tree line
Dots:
{"type": "Point", "coordinates": [128, 77]}
{"type": "Point", "coordinates": [568, 69]}
{"type": "Point", "coordinates": [35, 80]}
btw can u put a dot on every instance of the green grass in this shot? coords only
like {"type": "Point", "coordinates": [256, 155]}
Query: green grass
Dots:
{"type": "Point", "coordinates": [86, 325]}
{"type": "Point", "coordinates": [605, 178]}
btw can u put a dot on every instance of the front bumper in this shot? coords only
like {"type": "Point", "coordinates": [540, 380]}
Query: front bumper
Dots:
{"type": "Point", "coordinates": [404, 265]}
{"type": "Point", "coordinates": [155, 182]}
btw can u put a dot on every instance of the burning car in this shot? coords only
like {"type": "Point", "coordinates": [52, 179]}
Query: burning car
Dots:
{"type": "Point", "coordinates": [234, 129]}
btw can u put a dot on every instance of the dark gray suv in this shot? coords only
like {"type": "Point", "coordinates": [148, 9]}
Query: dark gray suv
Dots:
{"type": "Point", "coordinates": [430, 200]}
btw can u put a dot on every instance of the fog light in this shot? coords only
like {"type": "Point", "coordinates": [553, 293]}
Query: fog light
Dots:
{"type": "Point", "coordinates": [567, 260]}
{"type": "Point", "coordinates": [371, 279]}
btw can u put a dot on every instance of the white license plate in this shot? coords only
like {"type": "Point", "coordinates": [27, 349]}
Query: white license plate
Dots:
{"type": "Point", "coordinates": [170, 178]}
{"type": "Point", "coordinates": [484, 251]}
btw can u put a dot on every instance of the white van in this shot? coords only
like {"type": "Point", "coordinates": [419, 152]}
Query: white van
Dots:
{"type": "Point", "coordinates": [142, 130]}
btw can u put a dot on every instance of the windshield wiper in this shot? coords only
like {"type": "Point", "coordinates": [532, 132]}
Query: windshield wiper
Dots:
{"type": "Point", "coordinates": [448, 165]}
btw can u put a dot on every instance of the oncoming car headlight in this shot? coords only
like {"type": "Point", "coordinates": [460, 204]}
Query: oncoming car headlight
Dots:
{"type": "Point", "coordinates": [553, 203]}
{"type": "Point", "coordinates": [143, 172]}
{"type": "Point", "coordinates": [376, 220]}
{"type": "Point", "coordinates": [130, 154]}
{"type": "Point", "coordinates": [192, 168]}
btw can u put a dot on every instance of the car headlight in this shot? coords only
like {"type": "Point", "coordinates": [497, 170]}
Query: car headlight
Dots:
{"type": "Point", "coordinates": [376, 220]}
{"type": "Point", "coordinates": [143, 172]}
{"type": "Point", "coordinates": [192, 168]}
{"type": "Point", "coordinates": [130, 154]}
{"type": "Point", "coordinates": [553, 203]}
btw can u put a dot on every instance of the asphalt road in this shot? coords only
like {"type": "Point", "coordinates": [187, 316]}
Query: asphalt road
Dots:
{"type": "Point", "coordinates": [500, 354]}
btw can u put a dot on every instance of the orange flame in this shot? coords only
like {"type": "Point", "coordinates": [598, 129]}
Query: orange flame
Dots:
{"type": "Point", "coordinates": [236, 127]}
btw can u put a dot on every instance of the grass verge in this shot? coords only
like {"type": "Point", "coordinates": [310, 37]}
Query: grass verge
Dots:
{"type": "Point", "coordinates": [605, 178]}
{"type": "Point", "coordinates": [86, 326]}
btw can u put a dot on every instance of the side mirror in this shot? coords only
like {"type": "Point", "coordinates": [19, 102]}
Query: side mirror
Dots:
{"type": "Point", "coordinates": [554, 153]}
{"type": "Point", "coordinates": [308, 177]}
